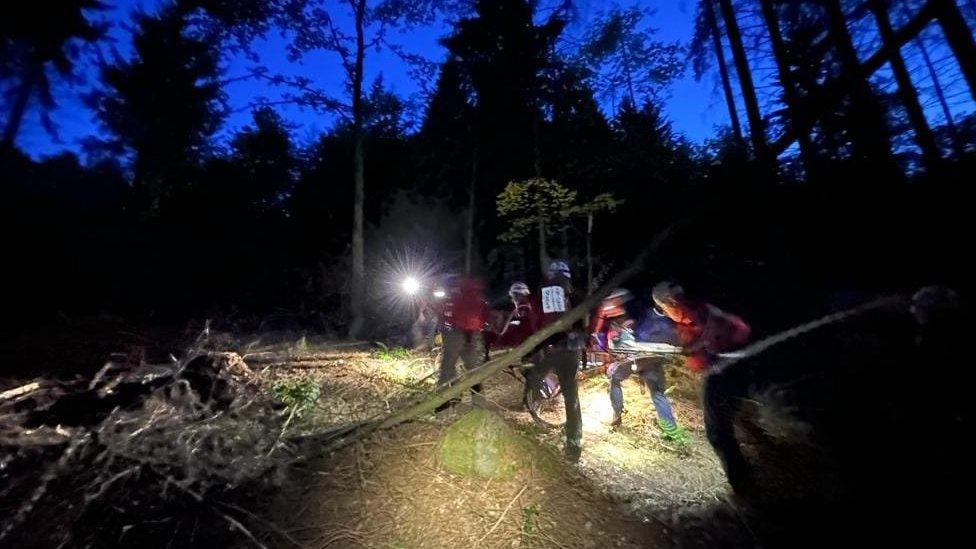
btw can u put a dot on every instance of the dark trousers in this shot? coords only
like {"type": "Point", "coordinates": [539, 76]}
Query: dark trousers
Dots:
{"type": "Point", "coordinates": [467, 346]}
{"type": "Point", "coordinates": [724, 394]}
{"type": "Point", "coordinates": [565, 362]}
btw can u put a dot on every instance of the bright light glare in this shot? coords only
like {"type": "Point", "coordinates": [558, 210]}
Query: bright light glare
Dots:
{"type": "Point", "coordinates": [410, 285]}
{"type": "Point", "coordinates": [439, 294]}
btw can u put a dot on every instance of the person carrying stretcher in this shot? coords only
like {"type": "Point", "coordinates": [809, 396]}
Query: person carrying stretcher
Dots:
{"type": "Point", "coordinates": [614, 330]}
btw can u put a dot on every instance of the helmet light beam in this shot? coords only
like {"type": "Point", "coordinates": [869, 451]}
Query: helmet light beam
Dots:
{"type": "Point", "coordinates": [410, 285]}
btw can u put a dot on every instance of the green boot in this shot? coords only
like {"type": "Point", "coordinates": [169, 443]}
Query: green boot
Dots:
{"type": "Point", "coordinates": [671, 432]}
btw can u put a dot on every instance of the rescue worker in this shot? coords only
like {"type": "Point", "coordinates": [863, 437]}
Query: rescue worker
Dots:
{"type": "Point", "coordinates": [561, 352]}
{"type": "Point", "coordinates": [430, 307]}
{"type": "Point", "coordinates": [650, 369]}
{"type": "Point", "coordinates": [521, 321]}
{"type": "Point", "coordinates": [703, 330]}
{"type": "Point", "coordinates": [610, 318]}
{"type": "Point", "coordinates": [464, 317]}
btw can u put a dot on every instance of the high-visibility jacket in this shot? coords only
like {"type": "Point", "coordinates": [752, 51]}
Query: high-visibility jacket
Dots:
{"type": "Point", "coordinates": [466, 309]}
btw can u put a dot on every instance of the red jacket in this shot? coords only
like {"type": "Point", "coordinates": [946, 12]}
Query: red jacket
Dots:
{"type": "Point", "coordinates": [602, 324]}
{"type": "Point", "coordinates": [523, 321]}
{"type": "Point", "coordinates": [466, 308]}
{"type": "Point", "coordinates": [705, 331]}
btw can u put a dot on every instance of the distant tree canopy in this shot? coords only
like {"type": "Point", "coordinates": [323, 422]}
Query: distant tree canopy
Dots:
{"type": "Point", "coordinates": [626, 62]}
{"type": "Point", "coordinates": [167, 128]}
{"type": "Point", "coordinates": [541, 136]}
{"type": "Point", "coordinates": [34, 36]}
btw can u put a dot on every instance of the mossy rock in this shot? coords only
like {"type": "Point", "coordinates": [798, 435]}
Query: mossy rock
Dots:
{"type": "Point", "coordinates": [482, 444]}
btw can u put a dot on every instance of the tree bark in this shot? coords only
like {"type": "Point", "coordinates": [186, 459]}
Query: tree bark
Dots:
{"type": "Point", "coordinates": [960, 39]}
{"type": "Point", "coordinates": [800, 123]}
{"type": "Point", "coordinates": [358, 244]}
{"type": "Point", "coordinates": [906, 89]}
{"type": "Point", "coordinates": [19, 107]}
{"type": "Point", "coordinates": [543, 253]}
{"type": "Point", "coordinates": [469, 236]}
{"type": "Point", "coordinates": [867, 122]}
{"type": "Point", "coordinates": [757, 129]}
{"type": "Point", "coordinates": [723, 71]}
{"type": "Point", "coordinates": [536, 146]}
{"type": "Point", "coordinates": [589, 251]}
{"type": "Point", "coordinates": [939, 93]}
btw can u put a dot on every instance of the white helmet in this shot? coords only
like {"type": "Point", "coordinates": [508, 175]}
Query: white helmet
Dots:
{"type": "Point", "coordinates": [666, 292]}
{"type": "Point", "coordinates": [518, 289]}
{"type": "Point", "coordinates": [623, 294]}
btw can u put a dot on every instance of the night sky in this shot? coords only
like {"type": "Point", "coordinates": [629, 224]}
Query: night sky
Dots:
{"type": "Point", "coordinates": [695, 110]}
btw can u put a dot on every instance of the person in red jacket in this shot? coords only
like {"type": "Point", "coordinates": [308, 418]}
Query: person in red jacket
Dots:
{"type": "Point", "coordinates": [703, 330]}
{"type": "Point", "coordinates": [609, 318]}
{"type": "Point", "coordinates": [521, 322]}
{"type": "Point", "coordinates": [464, 316]}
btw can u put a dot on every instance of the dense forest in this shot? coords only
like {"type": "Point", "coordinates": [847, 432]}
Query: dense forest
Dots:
{"type": "Point", "coordinates": [532, 142]}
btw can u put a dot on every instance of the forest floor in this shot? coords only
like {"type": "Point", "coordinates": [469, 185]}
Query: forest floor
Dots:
{"type": "Point", "coordinates": [630, 489]}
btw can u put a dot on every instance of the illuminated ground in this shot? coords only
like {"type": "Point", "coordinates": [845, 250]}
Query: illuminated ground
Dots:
{"type": "Point", "coordinates": [632, 463]}
{"type": "Point", "coordinates": [390, 492]}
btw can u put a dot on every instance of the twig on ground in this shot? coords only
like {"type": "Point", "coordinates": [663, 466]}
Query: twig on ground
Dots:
{"type": "Point", "coordinates": [274, 527]}
{"type": "Point", "coordinates": [550, 539]}
{"type": "Point", "coordinates": [503, 515]}
{"type": "Point", "coordinates": [241, 528]}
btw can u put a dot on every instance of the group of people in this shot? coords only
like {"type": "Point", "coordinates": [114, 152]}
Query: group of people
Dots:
{"type": "Point", "coordinates": [699, 329]}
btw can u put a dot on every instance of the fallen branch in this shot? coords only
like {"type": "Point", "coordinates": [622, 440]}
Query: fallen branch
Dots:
{"type": "Point", "coordinates": [19, 391]}
{"type": "Point", "coordinates": [763, 345]}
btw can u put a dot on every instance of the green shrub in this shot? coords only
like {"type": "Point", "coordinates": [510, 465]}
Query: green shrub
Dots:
{"type": "Point", "coordinates": [391, 354]}
{"type": "Point", "coordinates": [299, 395]}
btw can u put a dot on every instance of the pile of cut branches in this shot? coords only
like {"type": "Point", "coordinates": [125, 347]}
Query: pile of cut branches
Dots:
{"type": "Point", "coordinates": [137, 455]}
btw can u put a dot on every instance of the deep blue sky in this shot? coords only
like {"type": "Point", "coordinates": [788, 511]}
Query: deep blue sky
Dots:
{"type": "Point", "coordinates": [694, 108]}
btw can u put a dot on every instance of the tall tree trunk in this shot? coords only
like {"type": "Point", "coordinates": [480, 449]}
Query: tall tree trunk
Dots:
{"type": "Point", "coordinates": [19, 107]}
{"type": "Point", "coordinates": [564, 236]}
{"type": "Point", "coordinates": [358, 245]}
{"type": "Point", "coordinates": [469, 236]}
{"type": "Point", "coordinates": [757, 130]}
{"type": "Point", "coordinates": [589, 251]}
{"type": "Point", "coordinates": [630, 83]}
{"type": "Point", "coordinates": [906, 89]}
{"type": "Point", "coordinates": [939, 93]}
{"type": "Point", "coordinates": [960, 39]}
{"type": "Point", "coordinates": [543, 254]}
{"type": "Point", "coordinates": [723, 70]}
{"type": "Point", "coordinates": [867, 121]}
{"type": "Point", "coordinates": [799, 122]}
{"type": "Point", "coordinates": [536, 146]}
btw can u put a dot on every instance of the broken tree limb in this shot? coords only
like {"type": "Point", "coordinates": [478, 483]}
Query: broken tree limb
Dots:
{"type": "Point", "coordinates": [19, 391]}
{"type": "Point", "coordinates": [493, 366]}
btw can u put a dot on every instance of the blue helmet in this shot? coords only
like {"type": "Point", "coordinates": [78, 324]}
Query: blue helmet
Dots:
{"type": "Point", "coordinates": [559, 268]}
